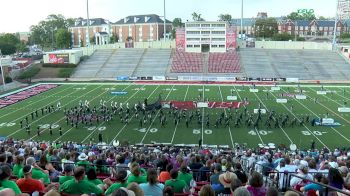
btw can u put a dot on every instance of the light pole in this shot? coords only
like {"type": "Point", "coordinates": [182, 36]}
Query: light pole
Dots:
{"type": "Point", "coordinates": [242, 21]}
{"type": "Point", "coordinates": [2, 72]}
{"type": "Point", "coordinates": [164, 23]}
{"type": "Point", "coordinates": [335, 28]}
{"type": "Point", "coordinates": [88, 24]}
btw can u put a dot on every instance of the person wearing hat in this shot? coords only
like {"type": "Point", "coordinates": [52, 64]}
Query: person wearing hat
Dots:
{"type": "Point", "coordinates": [121, 179]}
{"type": "Point", "coordinates": [83, 161]}
{"type": "Point", "coordinates": [78, 185]}
{"type": "Point", "coordinates": [28, 184]}
{"type": "Point", "coordinates": [225, 179]}
{"type": "Point", "coordinates": [178, 185]}
{"type": "Point", "coordinates": [37, 172]}
{"type": "Point", "coordinates": [68, 174]}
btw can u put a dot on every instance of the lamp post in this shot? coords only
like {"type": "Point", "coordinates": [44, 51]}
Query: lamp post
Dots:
{"type": "Point", "coordinates": [2, 72]}
{"type": "Point", "coordinates": [242, 21]}
{"type": "Point", "coordinates": [335, 28]}
{"type": "Point", "coordinates": [164, 23]}
{"type": "Point", "coordinates": [88, 24]}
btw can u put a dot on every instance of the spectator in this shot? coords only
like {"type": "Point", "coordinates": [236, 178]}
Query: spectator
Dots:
{"type": "Point", "coordinates": [179, 186]}
{"type": "Point", "coordinates": [165, 175]}
{"type": "Point", "coordinates": [313, 186]}
{"type": "Point", "coordinates": [37, 172]}
{"type": "Point", "coordinates": [135, 188]}
{"type": "Point", "coordinates": [241, 191]}
{"type": "Point", "coordinates": [298, 182]}
{"type": "Point", "coordinates": [204, 171]}
{"type": "Point", "coordinates": [121, 179]}
{"type": "Point", "coordinates": [235, 184]}
{"type": "Point", "coordinates": [136, 175]}
{"type": "Point", "coordinates": [256, 185]}
{"type": "Point", "coordinates": [28, 184]}
{"type": "Point", "coordinates": [45, 165]}
{"type": "Point", "coordinates": [68, 174]}
{"type": "Point", "coordinates": [5, 174]}
{"type": "Point", "coordinates": [83, 161]}
{"type": "Point", "coordinates": [7, 192]}
{"type": "Point", "coordinates": [225, 180]}
{"type": "Point", "coordinates": [123, 192]}
{"type": "Point", "coordinates": [335, 179]}
{"type": "Point", "coordinates": [168, 191]}
{"type": "Point", "coordinates": [19, 161]}
{"type": "Point", "coordinates": [152, 187]}
{"type": "Point", "coordinates": [240, 173]}
{"type": "Point", "coordinates": [78, 185]}
{"type": "Point", "coordinates": [92, 177]}
{"type": "Point", "coordinates": [272, 191]}
{"type": "Point", "coordinates": [184, 175]}
{"type": "Point", "coordinates": [214, 178]}
{"type": "Point", "coordinates": [206, 190]}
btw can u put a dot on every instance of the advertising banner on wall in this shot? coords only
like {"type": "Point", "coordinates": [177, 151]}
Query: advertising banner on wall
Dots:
{"type": "Point", "coordinates": [231, 38]}
{"type": "Point", "coordinates": [58, 58]}
{"type": "Point", "coordinates": [180, 39]}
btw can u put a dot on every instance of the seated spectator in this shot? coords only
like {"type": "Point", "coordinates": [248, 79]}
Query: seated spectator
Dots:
{"type": "Point", "coordinates": [214, 178]}
{"type": "Point", "coordinates": [121, 182]}
{"type": "Point", "coordinates": [179, 186]}
{"type": "Point", "coordinates": [136, 175]}
{"type": "Point", "coordinates": [168, 191]}
{"type": "Point", "coordinates": [256, 185]}
{"type": "Point", "coordinates": [225, 180]}
{"type": "Point", "coordinates": [152, 187]}
{"type": "Point", "coordinates": [28, 184]}
{"type": "Point", "coordinates": [92, 177]}
{"type": "Point", "coordinates": [101, 167]}
{"type": "Point", "coordinates": [123, 192]}
{"type": "Point", "coordinates": [83, 161]}
{"type": "Point", "coordinates": [5, 174]}
{"type": "Point", "coordinates": [68, 174]}
{"type": "Point", "coordinates": [7, 192]}
{"type": "Point", "coordinates": [45, 165]}
{"type": "Point", "coordinates": [296, 182]}
{"type": "Point", "coordinates": [272, 191]}
{"type": "Point", "coordinates": [241, 191]}
{"type": "Point", "coordinates": [184, 175]}
{"type": "Point", "coordinates": [78, 185]}
{"type": "Point", "coordinates": [206, 190]}
{"type": "Point", "coordinates": [37, 172]}
{"type": "Point", "coordinates": [134, 187]}
{"type": "Point", "coordinates": [165, 175]}
{"type": "Point", "coordinates": [204, 171]}
{"type": "Point", "coordinates": [313, 186]}
{"type": "Point", "coordinates": [235, 184]}
{"type": "Point", "coordinates": [240, 173]}
{"type": "Point", "coordinates": [19, 162]}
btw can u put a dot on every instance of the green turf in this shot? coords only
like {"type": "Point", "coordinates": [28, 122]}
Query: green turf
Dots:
{"type": "Point", "coordinates": [70, 94]}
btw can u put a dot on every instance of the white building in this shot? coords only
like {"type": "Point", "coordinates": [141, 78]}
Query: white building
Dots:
{"type": "Point", "coordinates": [344, 9]}
{"type": "Point", "coordinates": [202, 36]}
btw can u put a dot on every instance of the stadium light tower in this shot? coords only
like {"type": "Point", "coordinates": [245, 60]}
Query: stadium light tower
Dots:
{"type": "Point", "coordinates": [242, 21]}
{"type": "Point", "coordinates": [88, 24]}
{"type": "Point", "coordinates": [335, 27]}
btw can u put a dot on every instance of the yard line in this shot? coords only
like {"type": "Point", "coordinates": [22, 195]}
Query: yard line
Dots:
{"type": "Point", "coordinates": [229, 128]}
{"type": "Point", "coordinates": [65, 105]}
{"type": "Point", "coordinates": [87, 137]}
{"type": "Point", "coordinates": [155, 117]}
{"type": "Point", "coordinates": [52, 95]}
{"type": "Point", "coordinates": [257, 132]}
{"type": "Point", "coordinates": [203, 117]}
{"type": "Point", "coordinates": [331, 109]}
{"type": "Point", "coordinates": [121, 130]}
{"type": "Point", "coordinates": [303, 124]}
{"type": "Point", "coordinates": [36, 119]}
{"type": "Point", "coordinates": [172, 139]}
{"type": "Point", "coordinates": [319, 117]}
{"type": "Point", "coordinates": [285, 133]}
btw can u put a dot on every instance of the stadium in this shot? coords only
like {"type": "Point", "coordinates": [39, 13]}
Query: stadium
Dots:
{"type": "Point", "coordinates": [216, 109]}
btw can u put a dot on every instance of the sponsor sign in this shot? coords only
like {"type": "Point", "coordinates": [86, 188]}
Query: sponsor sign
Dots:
{"type": "Point", "coordinates": [58, 58]}
{"type": "Point", "coordinates": [344, 110]}
{"type": "Point", "coordinates": [223, 79]}
{"type": "Point", "coordinates": [231, 38]}
{"type": "Point", "coordinates": [322, 92]}
{"type": "Point", "coordinates": [171, 78]}
{"type": "Point", "coordinates": [254, 79]}
{"type": "Point", "coordinates": [146, 78]}
{"type": "Point", "coordinates": [292, 80]}
{"type": "Point", "coordinates": [281, 100]}
{"type": "Point", "coordinates": [158, 78]}
{"type": "Point", "coordinates": [280, 79]}
{"type": "Point", "coordinates": [327, 120]}
{"type": "Point", "coordinates": [252, 90]}
{"type": "Point", "coordinates": [119, 93]}
{"type": "Point", "coordinates": [300, 96]}
{"type": "Point", "coordinates": [267, 79]}
{"type": "Point", "coordinates": [122, 78]}
{"type": "Point", "coordinates": [133, 78]}
{"type": "Point", "coordinates": [232, 98]}
{"type": "Point", "coordinates": [275, 88]}
{"type": "Point", "coordinates": [262, 111]}
{"type": "Point", "coordinates": [202, 105]}
{"type": "Point", "coordinates": [180, 38]}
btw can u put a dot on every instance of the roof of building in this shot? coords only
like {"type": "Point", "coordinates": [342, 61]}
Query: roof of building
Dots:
{"type": "Point", "coordinates": [80, 22]}
{"type": "Point", "coordinates": [141, 19]}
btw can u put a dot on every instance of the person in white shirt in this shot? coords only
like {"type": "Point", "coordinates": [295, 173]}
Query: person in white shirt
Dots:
{"type": "Point", "coordinates": [302, 172]}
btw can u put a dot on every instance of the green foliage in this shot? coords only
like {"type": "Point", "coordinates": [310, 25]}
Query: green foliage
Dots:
{"type": "Point", "coordinates": [65, 72]}
{"type": "Point", "coordinates": [282, 37]}
{"type": "Point", "coordinates": [301, 39]}
{"type": "Point", "coordinates": [66, 65]}
{"type": "Point", "coordinates": [301, 16]}
{"type": "Point", "coordinates": [7, 49]}
{"type": "Point", "coordinates": [8, 79]}
{"type": "Point", "coordinates": [266, 27]}
{"type": "Point", "coordinates": [177, 23]}
{"type": "Point", "coordinates": [63, 38]}
{"type": "Point", "coordinates": [114, 39]}
{"type": "Point", "coordinates": [29, 73]}
{"type": "Point", "coordinates": [197, 17]}
{"type": "Point", "coordinates": [22, 47]}
{"type": "Point", "coordinates": [225, 17]}
{"type": "Point", "coordinates": [9, 44]}
{"type": "Point", "coordinates": [345, 36]}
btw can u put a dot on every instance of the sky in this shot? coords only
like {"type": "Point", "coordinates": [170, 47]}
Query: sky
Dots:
{"type": "Point", "coordinates": [19, 15]}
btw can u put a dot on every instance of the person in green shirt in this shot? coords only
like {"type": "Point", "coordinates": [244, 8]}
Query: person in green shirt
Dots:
{"type": "Point", "coordinates": [121, 178]}
{"type": "Point", "coordinates": [37, 172]}
{"type": "Point", "coordinates": [5, 174]}
{"type": "Point", "coordinates": [68, 174]}
{"type": "Point", "coordinates": [18, 165]}
{"type": "Point", "coordinates": [184, 175]}
{"type": "Point", "coordinates": [92, 177]}
{"type": "Point", "coordinates": [136, 175]}
{"type": "Point", "coordinates": [78, 185]}
{"type": "Point", "coordinates": [179, 186]}
{"type": "Point", "coordinates": [83, 162]}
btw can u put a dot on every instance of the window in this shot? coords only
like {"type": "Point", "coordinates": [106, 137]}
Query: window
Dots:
{"type": "Point", "coordinates": [218, 39]}
{"type": "Point", "coordinates": [205, 39]}
{"type": "Point", "coordinates": [218, 32]}
{"type": "Point", "coordinates": [193, 32]}
{"type": "Point", "coordinates": [221, 46]}
{"type": "Point", "coordinates": [197, 46]}
{"type": "Point", "coordinates": [193, 25]}
{"type": "Point", "coordinates": [193, 39]}
{"type": "Point", "coordinates": [205, 25]}
{"type": "Point", "coordinates": [214, 46]}
{"type": "Point", "coordinates": [189, 46]}
{"type": "Point", "coordinates": [218, 25]}
{"type": "Point", "coordinates": [206, 32]}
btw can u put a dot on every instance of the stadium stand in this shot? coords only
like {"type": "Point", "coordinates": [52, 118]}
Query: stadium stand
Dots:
{"type": "Point", "coordinates": [187, 62]}
{"type": "Point", "coordinates": [224, 62]}
{"type": "Point", "coordinates": [153, 63]}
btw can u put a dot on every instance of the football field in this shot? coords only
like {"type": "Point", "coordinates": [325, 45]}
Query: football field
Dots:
{"type": "Point", "coordinates": [285, 101]}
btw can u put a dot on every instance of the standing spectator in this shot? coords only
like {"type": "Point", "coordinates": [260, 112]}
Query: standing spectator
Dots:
{"type": "Point", "coordinates": [5, 174]}
{"type": "Point", "coordinates": [178, 185]}
{"type": "Point", "coordinates": [152, 187]}
{"type": "Point", "coordinates": [256, 185]}
{"type": "Point", "coordinates": [214, 178]}
{"type": "Point", "coordinates": [204, 171]}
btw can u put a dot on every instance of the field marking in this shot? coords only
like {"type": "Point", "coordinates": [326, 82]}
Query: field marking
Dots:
{"type": "Point", "coordinates": [121, 130]}
{"type": "Point", "coordinates": [34, 101]}
{"type": "Point", "coordinates": [64, 116]}
{"type": "Point", "coordinates": [203, 116]}
{"type": "Point", "coordinates": [35, 119]}
{"type": "Point", "coordinates": [229, 127]}
{"type": "Point", "coordinates": [87, 137]}
{"type": "Point", "coordinates": [303, 124]}
{"type": "Point", "coordinates": [331, 109]}
{"type": "Point", "coordinates": [96, 126]}
{"type": "Point", "coordinates": [285, 133]}
{"type": "Point", "coordinates": [155, 117]}
{"type": "Point", "coordinates": [188, 86]}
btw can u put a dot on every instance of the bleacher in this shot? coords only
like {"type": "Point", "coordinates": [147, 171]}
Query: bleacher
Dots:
{"type": "Point", "coordinates": [224, 62]}
{"type": "Point", "coordinates": [187, 62]}
{"type": "Point", "coordinates": [153, 63]}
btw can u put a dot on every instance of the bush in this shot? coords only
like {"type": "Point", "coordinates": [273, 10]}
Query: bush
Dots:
{"type": "Point", "coordinates": [65, 72]}
{"type": "Point", "coordinates": [29, 73]}
{"type": "Point", "coordinates": [8, 79]}
{"type": "Point", "coordinates": [282, 37]}
{"type": "Point", "coordinates": [60, 65]}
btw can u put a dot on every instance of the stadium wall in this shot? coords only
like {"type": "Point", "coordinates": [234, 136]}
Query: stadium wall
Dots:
{"type": "Point", "coordinates": [293, 45]}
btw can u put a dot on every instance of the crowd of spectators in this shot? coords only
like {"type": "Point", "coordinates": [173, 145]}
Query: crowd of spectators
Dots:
{"type": "Point", "coordinates": [28, 167]}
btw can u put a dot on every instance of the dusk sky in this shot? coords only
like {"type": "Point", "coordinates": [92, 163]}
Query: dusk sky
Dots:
{"type": "Point", "coordinates": [19, 15]}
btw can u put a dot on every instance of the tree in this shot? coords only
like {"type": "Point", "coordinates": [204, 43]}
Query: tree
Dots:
{"type": "Point", "coordinates": [322, 18]}
{"type": "Point", "coordinates": [265, 27]}
{"type": "Point", "coordinates": [63, 38]}
{"type": "Point", "coordinates": [301, 16]}
{"type": "Point", "coordinates": [7, 49]}
{"type": "Point", "coordinates": [197, 17]}
{"type": "Point", "coordinates": [282, 37]}
{"type": "Point", "coordinates": [9, 43]}
{"type": "Point", "coordinates": [225, 17]}
{"type": "Point", "coordinates": [177, 23]}
{"type": "Point", "coordinates": [345, 36]}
